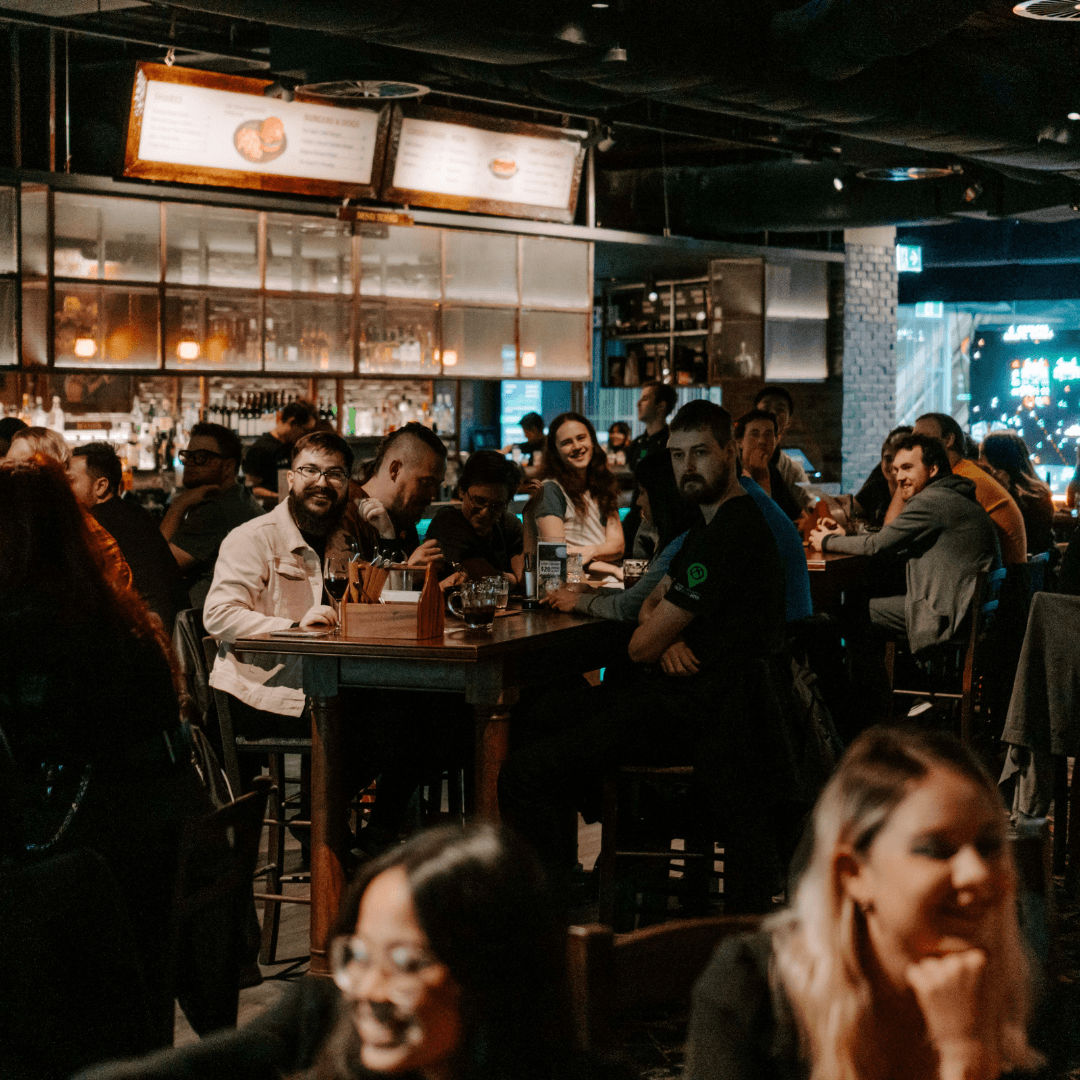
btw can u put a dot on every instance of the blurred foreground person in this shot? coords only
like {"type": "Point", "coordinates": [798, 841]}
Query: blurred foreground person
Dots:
{"type": "Point", "coordinates": [93, 758]}
{"type": "Point", "coordinates": [448, 965]}
{"type": "Point", "coordinates": [8, 426]}
{"type": "Point", "coordinates": [901, 955]}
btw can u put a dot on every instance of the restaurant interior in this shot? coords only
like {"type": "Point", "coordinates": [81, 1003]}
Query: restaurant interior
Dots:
{"type": "Point", "coordinates": [480, 212]}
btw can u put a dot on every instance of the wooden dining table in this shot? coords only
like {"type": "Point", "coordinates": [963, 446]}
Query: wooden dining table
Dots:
{"type": "Point", "coordinates": [490, 668]}
{"type": "Point", "coordinates": [832, 573]}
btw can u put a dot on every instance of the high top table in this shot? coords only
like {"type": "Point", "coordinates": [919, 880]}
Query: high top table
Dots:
{"type": "Point", "coordinates": [523, 649]}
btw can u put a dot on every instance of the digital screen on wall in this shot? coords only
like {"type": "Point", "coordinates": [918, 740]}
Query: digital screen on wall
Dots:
{"type": "Point", "coordinates": [1026, 379]}
{"type": "Point", "coordinates": [519, 396]}
{"type": "Point", "coordinates": [201, 127]}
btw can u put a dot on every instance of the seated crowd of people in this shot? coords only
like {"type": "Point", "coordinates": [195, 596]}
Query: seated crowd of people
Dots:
{"type": "Point", "coordinates": [899, 940]}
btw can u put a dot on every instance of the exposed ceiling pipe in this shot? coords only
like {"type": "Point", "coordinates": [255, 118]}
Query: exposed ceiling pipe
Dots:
{"type": "Point", "coordinates": [835, 39]}
{"type": "Point", "coordinates": [202, 46]}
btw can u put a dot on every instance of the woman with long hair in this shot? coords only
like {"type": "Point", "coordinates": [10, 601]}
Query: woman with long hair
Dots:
{"type": "Point", "coordinates": [670, 515]}
{"type": "Point", "coordinates": [92, 750]}
{"type": "Point", "coordinates": [448, 965]}
{"type": "Point", "coordinates": [900, 955]}
{"type": "Point", "coordinates": [1005, 455]}
{"type": "Point", "coordinates": [578, 499]}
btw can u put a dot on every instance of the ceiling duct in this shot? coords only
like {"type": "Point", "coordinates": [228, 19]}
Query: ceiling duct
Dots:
{"type": "Point", "coordinates": [1049, 10]}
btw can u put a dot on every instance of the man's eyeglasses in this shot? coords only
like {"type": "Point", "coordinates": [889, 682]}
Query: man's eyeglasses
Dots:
{"type": "Point", "coordinates": [479, 505]}
{"type": "Point", "coordinates": [335, 477]}
{"type": "Point", "coordinates": [198, 457]}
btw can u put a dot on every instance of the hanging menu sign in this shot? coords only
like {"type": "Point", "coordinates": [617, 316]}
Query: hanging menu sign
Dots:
{"type": "Point", "coordinates": [460, 162]}
{"type": "Point", "coordinates": [199, 127]}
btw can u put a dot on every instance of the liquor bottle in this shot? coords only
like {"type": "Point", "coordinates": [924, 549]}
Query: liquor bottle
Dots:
{"type": "Point", "coordinates": [245, 416]}
{"type": "Point", "coordinates": [25, 411]}
{"type": "Point", "coordinates": [39, 417]}
{"type": "Point", "coordinates": [56, 416]}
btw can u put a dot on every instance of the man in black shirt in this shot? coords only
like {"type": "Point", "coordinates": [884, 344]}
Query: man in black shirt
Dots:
{"type": "Point", "coordinates": [483, 534]}
{"type": "Point", "coordinates": [96, 475]}
{"type": "Point", "coordinates": [272, 450]}
{"type": "Point", "coordinates": [705, 641]}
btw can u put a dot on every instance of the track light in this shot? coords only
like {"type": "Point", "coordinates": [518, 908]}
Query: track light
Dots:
{"type": "Point", "coordinates": [606, 141]}
{"type": "Point", "coordinates": [838, 183]}
{"type": "Point", "coordinates": [650, 290]}
{"type": "Point", "coordinates": [615, 55]}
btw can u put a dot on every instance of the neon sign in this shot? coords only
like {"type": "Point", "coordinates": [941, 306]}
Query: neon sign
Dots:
{"type": "Point", "coordinates": [1028, 332]}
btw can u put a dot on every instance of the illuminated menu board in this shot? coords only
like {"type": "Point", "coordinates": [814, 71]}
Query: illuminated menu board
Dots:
{"type": "Point", "coordinates": [459, 162]}
{"type": "Point", "coordinates": [204, 128]}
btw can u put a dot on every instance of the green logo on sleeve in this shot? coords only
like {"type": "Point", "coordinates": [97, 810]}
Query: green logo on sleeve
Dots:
{"type": "Point", "coordinates": [696, 574]}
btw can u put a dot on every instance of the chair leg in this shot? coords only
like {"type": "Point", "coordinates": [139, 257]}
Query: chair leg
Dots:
{"type": "Point", "coordinates": [1061, 812]}
{"type": "Point", "coordinates": [890, 671]}
{"type": "Point", "coordinates": [275, 849]}
{"type": "Point", "coordinates": [608, 847]}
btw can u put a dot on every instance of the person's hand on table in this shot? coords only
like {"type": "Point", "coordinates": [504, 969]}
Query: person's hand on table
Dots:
{"type": "Point", "coordinates": [827, 527]}
{"type": "Point", "coordinates": [679, 660]}
{"type": "Point", "coordinates": [319, 616]}
{"type": "Point", "coordinates": [428, 552]}
{"type": "Point", "coordinates": [565, 598]}
{"type": "Point", "coordinates": [374, 513]}
{"type": "Point", "coordinates": [587, 553]}
{"type": "Point", "coordinates": [452, 581]}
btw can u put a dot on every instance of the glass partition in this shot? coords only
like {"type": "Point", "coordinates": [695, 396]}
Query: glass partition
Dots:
{"type": "Point", "coordinates": [406, 263]}
{"type": "Point", "coordinates": [481, 266]}
{"type": "Point", "coordinates": [479, 342]}
{"type": "Point", "coordinates": [209, 245]}
{"type": "Point", "coordinates": [8, 293]}
{"type": "Point", "coordinates": [555, 273]}
{"type": "Point", "coordinates": [204, 331]}
{"type": "Point", "coordinates": [9, 262]}
{"type": "Point", "coordinates": [308, 335]}
{"type": "Point", "coordinates": [34, 227]}
{"type": "Point", "coordinates": [308, 254]}
{"type": "Point", "coordinates": [106, 239]}
{"type": "Point", "coordinates": [399, 339]}
{"type": "Point", "coordinates": [102, 327]}
{"type": "Point", "coordinates": [555, 345]}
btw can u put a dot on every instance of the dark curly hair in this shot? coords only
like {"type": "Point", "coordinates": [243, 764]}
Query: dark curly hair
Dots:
{"type": "Point", "coordinates": [483, 903]}
{"type": "Point", "coordinates": [599, 480]}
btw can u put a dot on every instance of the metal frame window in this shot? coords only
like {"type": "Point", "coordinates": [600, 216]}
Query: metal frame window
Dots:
{"type": "Point", "coordinates": [211, 309]}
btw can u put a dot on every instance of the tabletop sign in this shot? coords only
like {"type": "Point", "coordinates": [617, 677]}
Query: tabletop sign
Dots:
{"type": "Point", "coordinates": [374, 217]}
{"type": "Point", "coordinates": [200, 127]}
{"type": "Point", "coordinates": [458, 161]}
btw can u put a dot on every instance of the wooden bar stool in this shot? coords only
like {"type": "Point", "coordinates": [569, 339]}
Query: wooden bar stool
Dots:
{"type": "Point", "coordinates": [274, 750]}
{"type": "Point", "coordinates": [694, 864]}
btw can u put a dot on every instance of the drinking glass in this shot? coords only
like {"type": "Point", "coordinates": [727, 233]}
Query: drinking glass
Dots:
{"type": "Point", "coordinates": [477, 602]}
{"type": "Point", "coordinates": [502, 591]}
{"type": "Point", "coordinates": [633, 570]}
{"type": "Point", "coordinates": [336, 582]}
{"type": "Point", "coordinates": [574, 569]}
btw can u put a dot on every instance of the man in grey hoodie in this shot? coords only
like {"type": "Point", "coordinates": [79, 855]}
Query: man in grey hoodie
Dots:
{"type": "Point", "coordinates": [945, 535]}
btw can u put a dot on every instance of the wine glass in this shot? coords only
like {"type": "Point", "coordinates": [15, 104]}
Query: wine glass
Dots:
{"type": "Point", "coordinates": [336, 582]}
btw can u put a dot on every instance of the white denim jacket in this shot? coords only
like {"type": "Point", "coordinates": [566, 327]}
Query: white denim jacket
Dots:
{"type": "Point", "coordinates": [266, 578]}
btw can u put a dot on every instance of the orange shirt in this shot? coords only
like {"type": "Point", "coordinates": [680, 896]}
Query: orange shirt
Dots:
{"type": "Point", "coordinates": [1003, 511]}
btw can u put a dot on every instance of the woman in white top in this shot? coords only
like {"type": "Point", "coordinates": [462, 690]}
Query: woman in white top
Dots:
{"type": "Point", "coordinates": [578, 500]}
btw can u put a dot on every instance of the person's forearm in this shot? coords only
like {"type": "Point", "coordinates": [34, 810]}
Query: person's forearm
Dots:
{"type": "Point", "coordinates": [171, 521]}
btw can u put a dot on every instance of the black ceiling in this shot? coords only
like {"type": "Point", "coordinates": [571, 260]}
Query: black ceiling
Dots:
{"type": "Point", "coordinates": [748, 116]}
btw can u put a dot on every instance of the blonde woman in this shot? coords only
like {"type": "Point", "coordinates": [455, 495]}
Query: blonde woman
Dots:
{"type": "Point", "coordinates": [901, 955]}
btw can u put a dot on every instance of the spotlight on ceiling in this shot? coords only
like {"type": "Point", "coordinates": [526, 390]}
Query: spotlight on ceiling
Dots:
{"type": "Point", "coordinates": [918, 172]}
{"type": "Point", "coordinates": [1048, 10]}
{"type": "Point", "coordinates": [1074, 116]}
{"type": "Point", "coordinates": [838, 183]}
{"type": "Point", "coordinates": [972, 191]}
{"type": "Point", "coordinates": [651, 293]}
{"type": "Point", "coordinates": [283, 88]}
{"type": "Point", "coordinates": [615, 55]}
{"type": "Point", "coordinates": [607, 140]}
{"type": "Point", "coordinates": [599, 5]}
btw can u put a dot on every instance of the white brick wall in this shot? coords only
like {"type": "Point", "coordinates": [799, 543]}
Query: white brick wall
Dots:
{"type": "Point", "coordinates": [870, 284]}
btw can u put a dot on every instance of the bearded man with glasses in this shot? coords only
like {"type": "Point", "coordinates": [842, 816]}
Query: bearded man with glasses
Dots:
{"type": "Point", "coordinates": [211, 503]}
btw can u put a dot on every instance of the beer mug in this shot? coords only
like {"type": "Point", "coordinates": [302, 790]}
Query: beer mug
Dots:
{"type": "Point", "coordinates": [476, 603]}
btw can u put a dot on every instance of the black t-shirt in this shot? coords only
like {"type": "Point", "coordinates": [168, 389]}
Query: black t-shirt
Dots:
{"type": "Point", "coordinates": [154, 572]}
{"type": "Point", "coordinates": [730, 576]}
{"type": "Point", "coordinates": [460, 541]}
{"type": "Point", "coordinates": [644, 445]}
{"type": "Point", "coordinates": [266, 456]}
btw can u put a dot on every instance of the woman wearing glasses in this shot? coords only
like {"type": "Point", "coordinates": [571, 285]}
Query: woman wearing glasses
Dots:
{"type": "Point", "coordinates": [447, 965]}
{"type": "Point", "coordinates": [210, 505]}
{"type": "Point", "coordinates": [483, 528]}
